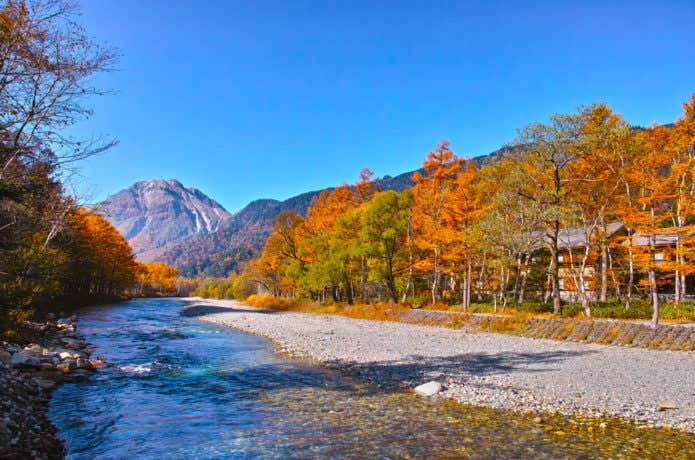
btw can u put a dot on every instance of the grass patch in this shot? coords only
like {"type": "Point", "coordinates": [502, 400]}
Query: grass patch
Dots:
{"type": "Point", "coordinates": [525, 321]}
{"type": "Point", "coordinates": [378, 311]}
{"type": "Point", "coordinates": [641, 309]}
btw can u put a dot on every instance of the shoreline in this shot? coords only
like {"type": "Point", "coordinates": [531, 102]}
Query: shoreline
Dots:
{"type": "Point", "coordinates": [28, 376]}
{"type": "Point", "coordinates": [649, 388]}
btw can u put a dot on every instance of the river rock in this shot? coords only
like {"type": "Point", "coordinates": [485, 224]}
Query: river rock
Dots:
{"type": "Point", "coordinates": [73, 344]}
{"type": "Point", "coordinates": [78, 375]}
{"type": "Point", "coordinates": [68, 355]}
{"type": "Point", "coordinates": [5, 356]}
{"type": "Point", "coordinates": [97, 363]}
{"type": "Point", "coordinates": [667, 406]}
{"type": "Point", "coordinates": [46, 384]}
{"type": "Point", "coordinates": [25, 359]}
{"type": "Point", "coordinates": [47, 366]}
{"type": "Point", "coordinates": [35, 348]}
{"type": "Point", "coordinates": [429, 388]}
{"type": "Point", "coordinates": [64, 323]}
{"type": "Point", "coordinates": [82, 363]}
{"type": "Point", "coordinates": [64, 368]}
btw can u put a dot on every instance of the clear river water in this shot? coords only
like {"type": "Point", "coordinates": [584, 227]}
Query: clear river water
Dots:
{"type": "Point", "coordinates": [177, 387]}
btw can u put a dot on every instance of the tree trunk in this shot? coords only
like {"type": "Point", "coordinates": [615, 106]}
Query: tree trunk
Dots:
{"type": "Point", "coordinates": [655, 297]}
{"type": "Point", "coordinates": [409, 280]}
{"type": "Point", "coordinates": [616, 285]}
{"type": "Point", "coordinates": [469, 281]}
{"type": "Point", "coordinates": [555, 269]}
{"type": "Point", "coordinates": [517, 280]}
{"type": "Point", "coordinates": [603, 295]}
{"type": "Point", "coordinates": [522, 285]}
{"type": "Point", "coordinates": [630, 276]}
{"type": "Point", "coordinates": [348, 290]}
{"type": "Point", "coordinates": [677, 288]}
{"type": "Point", "coordinates": [435, 276]}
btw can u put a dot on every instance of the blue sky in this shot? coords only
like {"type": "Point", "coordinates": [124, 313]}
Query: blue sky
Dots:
{"type": "Point", "coordinates": [255, 99]}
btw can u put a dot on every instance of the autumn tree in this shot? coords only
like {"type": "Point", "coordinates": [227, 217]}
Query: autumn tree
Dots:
{"type": "Point", "coordinates": [330, 259]}
{"type": "Point", "coordinates": [543, 153]}
{"type": "Point", "coordinates": [431, 193]}
{"type": "Point", "coordinates": [594, 183]}
{"type": "Point", "coordinates": [461, 212]}
{"type": "Point", "coordinates": [383, 236]}
{"type": "Point", "coordinates": [279, 253]}
{"type": "Point", "coordinates": [644, 215]}
{"type": "Point", "coordinates": [157, 278]}
{"type": "Point", "coordinates": [509, 228]}
{"type": "Point", "coordinates": [46, 67]}
{"type": "Point", "coordinates": [681, 180]}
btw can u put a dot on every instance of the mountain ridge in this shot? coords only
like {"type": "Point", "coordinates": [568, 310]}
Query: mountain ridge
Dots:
{"type": "Point", "coordinates": [237, 238]}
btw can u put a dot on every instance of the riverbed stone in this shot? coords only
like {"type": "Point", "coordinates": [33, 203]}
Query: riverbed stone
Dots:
{"type": "Point", "coordinates": [429, 388]}
{"type": "Point", "coordinates": [667, 406]}
{"type": "Point", "coordinates": [64, 368]}
{"type": "Point", "coordinates": [68, 355]}
{"type": "Point", "coordinates": [46, 384]}
{"type": "Point", "coordinates": [25, 359]}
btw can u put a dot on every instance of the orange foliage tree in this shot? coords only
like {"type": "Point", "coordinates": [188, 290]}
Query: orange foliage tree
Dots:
{"type": "Point", "coordinates": [432, 195]}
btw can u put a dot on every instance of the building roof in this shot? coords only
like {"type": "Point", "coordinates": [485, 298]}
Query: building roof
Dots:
{"type": "Point", "coordinates": [576, 237]}
{"type": "Point", "coordinates": [661, 239]}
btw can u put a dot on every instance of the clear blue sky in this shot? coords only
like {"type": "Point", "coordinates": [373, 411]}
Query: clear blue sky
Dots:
{"type": "Point", "coordinates": [256, 99]}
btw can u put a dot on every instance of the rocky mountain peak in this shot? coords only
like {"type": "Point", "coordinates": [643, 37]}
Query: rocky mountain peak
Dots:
{"type": "Point", "coordinates": [152, 214]}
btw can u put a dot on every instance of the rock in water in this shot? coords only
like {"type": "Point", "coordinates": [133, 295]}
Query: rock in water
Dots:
{"type": "Point", "coordinates": [429, 388]}
{"type": "Point", "coordinates": [26, 359]}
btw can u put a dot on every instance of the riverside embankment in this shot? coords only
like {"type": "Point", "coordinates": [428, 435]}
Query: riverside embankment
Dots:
{"type": "Point", "coordinates": [649, 387]}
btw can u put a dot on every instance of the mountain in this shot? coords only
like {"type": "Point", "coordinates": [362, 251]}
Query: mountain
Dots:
{"type": "Point", "coordinates": [164, 221]}
{"type": "Point", "coordinates": [155, 214]}
{"type": "Point", "coordinates": [241, 238]}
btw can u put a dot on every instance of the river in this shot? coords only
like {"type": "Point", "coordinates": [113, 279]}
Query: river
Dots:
{"type": "Point", "coordinates": [178, 387]}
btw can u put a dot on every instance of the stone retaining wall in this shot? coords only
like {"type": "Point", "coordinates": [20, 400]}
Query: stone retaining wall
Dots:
{"type": "Point", "coordinates": [664, 337]}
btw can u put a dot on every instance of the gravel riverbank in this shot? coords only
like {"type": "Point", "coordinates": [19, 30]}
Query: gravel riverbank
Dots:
{"type": "Point", "coordinates": [27, 377]}
{"type": "Point", "coordinates": [649, 387]}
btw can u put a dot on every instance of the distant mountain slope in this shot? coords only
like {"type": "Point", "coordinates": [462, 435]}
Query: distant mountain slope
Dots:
{"type": "Point", "coordinates": [241, 238]}
{"type": "Point", "coordinates": [156, 213]}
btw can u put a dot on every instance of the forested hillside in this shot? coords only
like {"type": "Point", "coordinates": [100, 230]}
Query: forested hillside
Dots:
{"type": "Point", "coordinates": [54, 253]}
{"type": "Point", "coordinates": [583, 206]}
{"type": "Point", "coordinates": [240, 237]}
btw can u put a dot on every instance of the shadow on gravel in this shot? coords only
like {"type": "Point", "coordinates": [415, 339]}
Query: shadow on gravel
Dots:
{"type": "Point", "coordinates": [465, 365]}
{"type": "Point", "coordinates": [202, 310]}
